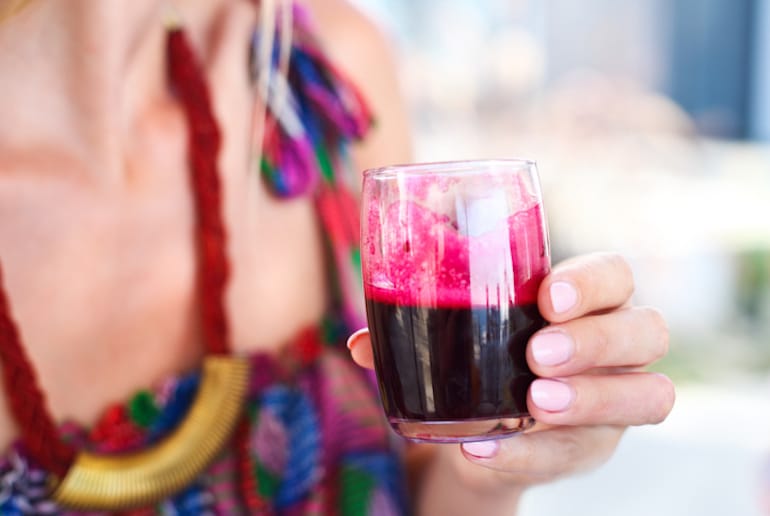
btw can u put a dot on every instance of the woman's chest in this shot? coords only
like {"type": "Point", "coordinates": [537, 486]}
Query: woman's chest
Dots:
{"type": "Point", "coordinates": [102, 281]}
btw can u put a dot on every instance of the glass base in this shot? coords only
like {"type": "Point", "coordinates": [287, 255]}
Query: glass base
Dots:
{"type": "Point", "coordinates": [461, 430]}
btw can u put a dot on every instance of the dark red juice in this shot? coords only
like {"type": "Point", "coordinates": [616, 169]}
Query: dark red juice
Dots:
{"type": "Point", "coordinates": [452, 363]}
{"type": "Point", "coordinates": [451, 302]}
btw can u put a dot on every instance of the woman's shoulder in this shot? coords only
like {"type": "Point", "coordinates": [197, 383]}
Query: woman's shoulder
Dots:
{"type": "Point", "coordinates": [361, 47]}
{"type": "Point", "coordinates": [346, 30]}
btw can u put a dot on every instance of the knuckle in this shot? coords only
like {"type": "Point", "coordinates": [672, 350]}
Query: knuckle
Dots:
{"type": "Point", "coordinates": [605, 407]}
{"type": "Point", "coordinates": [658, 328]}
{"type": "Point", "coordinates": [665, 399]}
{"type": "Point", "coordinates": [600, 404]}
{"type": "Point", "coordinates": [565, 453]}
{"type": "Point", "coordinates": [625, 272]}
{"type": "Point", "coordinates": [476, 477]}
{"type": "Point", "coordinates": [572, 452]}
{"type": "Point", "coordinates": [614, 266]}
{"type": "Point", "coordinates": [599, 351]}
{"type": "Point", "coordinates": [526, 457]}
{"type": "Point", "coordinates": [603, 444]}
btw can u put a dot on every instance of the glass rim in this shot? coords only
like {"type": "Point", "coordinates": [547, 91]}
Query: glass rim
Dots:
{"type": "Point", "coordinates": [448, 167]}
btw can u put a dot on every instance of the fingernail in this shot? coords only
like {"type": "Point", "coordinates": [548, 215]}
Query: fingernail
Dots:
{"type": "Point", "coordinates": [551, 395]}
{"type": "Point", "coordinates": [552, 348]}
{"type": "Point", "coordinates": [482, 449]}
{"type": "Point", "coordinates": [563, 296]}
{"type": "Point", "coordinates": [352, 339]}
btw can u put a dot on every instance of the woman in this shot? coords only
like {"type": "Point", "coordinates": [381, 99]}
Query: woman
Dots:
{"type": "Point", "coordinates": [106, 264]}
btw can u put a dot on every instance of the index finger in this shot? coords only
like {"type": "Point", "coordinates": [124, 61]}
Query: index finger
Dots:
{"type": "Point", "coordinates": [584, 285]}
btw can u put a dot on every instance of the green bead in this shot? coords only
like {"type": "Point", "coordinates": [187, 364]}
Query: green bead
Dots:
{"type": "Point", "coordinates": [267, 482]}
{"type": "Point", "coordinates": [355, 258]}
{"type": "Point", "coordinates": [356, 488]}
{"type": "Point", "coordinates": [324, 162]}
{"type": "Point", "coordinates": [143, 409]}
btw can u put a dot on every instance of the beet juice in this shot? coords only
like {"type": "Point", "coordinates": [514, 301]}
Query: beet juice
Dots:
{"type": "Point", "coordinates": [445, 364]}
{"type": "Point", "coordinates": [453, 255]}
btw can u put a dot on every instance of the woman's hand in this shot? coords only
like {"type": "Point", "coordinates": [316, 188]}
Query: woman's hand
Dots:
{"type": "Point", "coordinates": [590, 362]}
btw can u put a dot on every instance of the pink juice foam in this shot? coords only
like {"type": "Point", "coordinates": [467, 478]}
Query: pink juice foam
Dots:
{"type": "Point", "coordinates": [432, 262]}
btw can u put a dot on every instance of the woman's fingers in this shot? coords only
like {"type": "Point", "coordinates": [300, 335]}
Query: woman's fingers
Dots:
{"type": "Point", "coordinates": [584, 285]}
{"type": "Point", "coordinates": [621, 399]}
{"type": "Point", "coordinates": [539, 457]}
{"type": "Point", "coordinates": [360, 346]}
{"type": "Point", "coordinates": [629, 337]}
{"type": "Point", "coordinates": [615, 399]}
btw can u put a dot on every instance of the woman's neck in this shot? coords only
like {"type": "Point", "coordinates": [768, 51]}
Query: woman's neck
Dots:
{"type": "Point", "coordinates": [76, 73]}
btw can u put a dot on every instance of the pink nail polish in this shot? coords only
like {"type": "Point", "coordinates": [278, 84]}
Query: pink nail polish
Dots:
{"type": "Point", "coordinates": [552, 348]}
{"type": "Point", "coordinates": [354, 336]}
{"type": "Point", "coordinates": [563, 296]}
{"type": "Point", "coordinates": [482, 449]}
{"type": "Point", "coordinates": [551, 395]}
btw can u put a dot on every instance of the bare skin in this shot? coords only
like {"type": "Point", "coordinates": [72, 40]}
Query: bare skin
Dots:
{"type": "Point", "coordinates": [95, 207]}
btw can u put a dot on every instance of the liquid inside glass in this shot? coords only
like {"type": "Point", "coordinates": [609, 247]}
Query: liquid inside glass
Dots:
{"type": "Point", "coordinates": [451, 275]}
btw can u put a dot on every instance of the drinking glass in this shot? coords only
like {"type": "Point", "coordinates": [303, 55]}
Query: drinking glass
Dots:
{"type": "Point", "coordinates": [453, 254]}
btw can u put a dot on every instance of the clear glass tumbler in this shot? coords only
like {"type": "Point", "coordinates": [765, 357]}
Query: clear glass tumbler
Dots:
{"type": "Point", "coordinates": [453, 254]}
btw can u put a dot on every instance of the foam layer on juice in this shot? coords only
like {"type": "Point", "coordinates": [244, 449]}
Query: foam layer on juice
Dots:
{"type": "Point", "coordinates": [442, 261]}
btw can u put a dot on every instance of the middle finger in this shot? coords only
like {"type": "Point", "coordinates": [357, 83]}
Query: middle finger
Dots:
{"type": "Point", "coordinates": [629, 337]}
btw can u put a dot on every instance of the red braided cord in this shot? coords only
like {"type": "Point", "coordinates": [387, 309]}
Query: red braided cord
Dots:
{"type": "Point", "coordinates": [27, 401]}
{"type": "Point", "coordinates": [204, 140]}
{"type": "Point", "coordinates": [247, 479]}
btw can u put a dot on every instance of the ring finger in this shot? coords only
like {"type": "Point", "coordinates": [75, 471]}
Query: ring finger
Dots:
{"type": "Point", "coordinates": [621, 399]}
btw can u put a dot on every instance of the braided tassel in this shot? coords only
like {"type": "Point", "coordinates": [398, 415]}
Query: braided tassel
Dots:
{"type": "Point", "coordinates": [312, 110]}
{"type": "Point", "coordinates": [27, 401]}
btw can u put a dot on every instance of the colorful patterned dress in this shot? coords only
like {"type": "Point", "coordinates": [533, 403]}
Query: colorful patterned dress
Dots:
{"type": "Point", "coordinates": [314, 440]}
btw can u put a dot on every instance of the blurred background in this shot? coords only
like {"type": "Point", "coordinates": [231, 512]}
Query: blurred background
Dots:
{"type": "Point", "coordinates": [650, 122]}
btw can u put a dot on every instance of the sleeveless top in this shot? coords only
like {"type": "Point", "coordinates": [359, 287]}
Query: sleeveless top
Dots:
{"type": "Point", "coordinates": [315, 441]}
